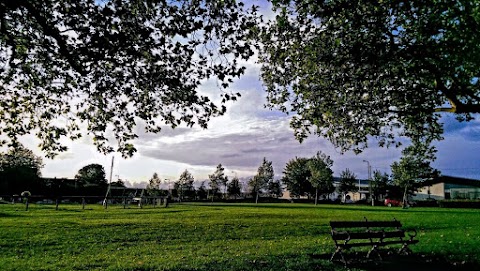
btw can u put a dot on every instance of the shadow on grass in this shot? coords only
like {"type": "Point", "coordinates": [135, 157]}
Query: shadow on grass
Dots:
{"type": "Point", "coordinates": [342, 207]}
{"type": "Point", "coordinates": [338, 207]}
{"type": "Point", "coordinates": [311, 262]}
{"type": "Point", "coordinates": [293, 206]}
{"type": "Point", "coordinates": [401, 263]}
{"type": "Point", "coordinates": [9, 215]}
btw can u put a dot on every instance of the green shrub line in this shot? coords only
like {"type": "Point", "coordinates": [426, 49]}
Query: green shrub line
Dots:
{"type": "Point", "coordinates": [459, 203]}
{"type": "Point", "coordinates": [215, 236]}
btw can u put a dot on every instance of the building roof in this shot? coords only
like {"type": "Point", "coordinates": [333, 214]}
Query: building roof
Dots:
{"type": "Point", "coordinates": [453, 180]}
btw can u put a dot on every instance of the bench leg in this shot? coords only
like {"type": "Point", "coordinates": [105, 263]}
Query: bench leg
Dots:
{"type": "Point", "coordinates": [338, 251]}
{"type": "Point", "coordinates": [405, 250]}
{"type": "Point", "coordinates": [374, 249]}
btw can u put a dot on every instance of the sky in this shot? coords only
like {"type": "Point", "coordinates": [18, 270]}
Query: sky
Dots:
{"type": "Point", "coordinates": [240, 140]}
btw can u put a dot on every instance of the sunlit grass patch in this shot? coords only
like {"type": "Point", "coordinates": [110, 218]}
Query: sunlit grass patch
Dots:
{"type": "Point", "coordinates": [212, 236]}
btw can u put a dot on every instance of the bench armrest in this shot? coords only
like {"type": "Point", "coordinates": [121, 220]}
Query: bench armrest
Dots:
{"type": "Point", "coordinates": [412, 234]}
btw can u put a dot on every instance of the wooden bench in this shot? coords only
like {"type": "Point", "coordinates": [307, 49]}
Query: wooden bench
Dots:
{"type": "Point", "coordinates": [374, 234]}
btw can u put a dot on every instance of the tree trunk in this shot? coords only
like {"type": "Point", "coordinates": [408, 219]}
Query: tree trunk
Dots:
{"type": "Point", "coordinates": [405, 198]}
{"type": "Point", "coordinates": [256, 198]}
{"type": "Point", "coordinates": [316, 196]}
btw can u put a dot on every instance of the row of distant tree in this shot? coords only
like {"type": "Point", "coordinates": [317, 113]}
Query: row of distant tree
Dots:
{"type": "Point", "coordinates": [20, 170]}
{"type": "Point", "coordinates": [311, 177]}
{"type": "Point", "coordinates": [302, 177]}
{"type": "Point", "coordinates": [219, 186]}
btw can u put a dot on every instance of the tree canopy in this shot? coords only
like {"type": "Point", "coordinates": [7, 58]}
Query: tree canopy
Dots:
{"type": "Point", "coordinates": [20, 171]}
{"type": "Point", "coordinates": [348, 182]}
{"type": "Point", "coordinates": [346, 69]}
{"type": "Point", "coordinates": [321, 174]}
{"type": "Point", "coordinates": [264, 176]}
{"type": "Point", "coordinates": [382, 185]}
{"type": "Point", "coordinates": [216, 179]}
{"type": "Point", "coordinates": [184, 185]}
{"type": "Point", "coordinates": [309, 176]}
{"type": "Point", "coordinates": [153, 186]}
{"type": "Point", "coordinates": [353, 69]}
{"type": "Point", "coordinates": [92, 174]}
{"type": "Point", "coordinates": [71, 65]}
{"type": "Point", "coordinates": [295, 177]}
{"type": "Point", "coordinates": [414, 167]}
{"type": "Point", "coordinates": [234, 187]}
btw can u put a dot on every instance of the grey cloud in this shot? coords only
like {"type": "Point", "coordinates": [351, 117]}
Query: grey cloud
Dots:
{"type": "Point", "coordinates": [256, 150]}
{"type": "Point", "coordinates": [166, 131]}
{"type": "Point", "coordinates": [243, 150]}
{"type": "Point", "coordinates": [230, 155]}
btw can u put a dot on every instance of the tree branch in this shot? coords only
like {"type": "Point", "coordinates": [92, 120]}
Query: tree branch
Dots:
{"type": "Point", "coordinates": [52, 31]}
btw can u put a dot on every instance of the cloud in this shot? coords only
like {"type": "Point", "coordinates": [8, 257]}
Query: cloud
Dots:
{"type": "Point", "coordinates": [241, 145]}
{"type": "Point", "coordinates": [467, 130]}
{"type": "Point", "coordinates": [457, 157]}
{"type": "Point", "coordinates": [238, 144]}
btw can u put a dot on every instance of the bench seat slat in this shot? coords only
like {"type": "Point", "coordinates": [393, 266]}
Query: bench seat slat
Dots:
{"type": "Point", "coordinates": [349, 245]}
{"type": "Point", "coordinates": [343, 235]}
{"type": "Point", "coordinates": [386, 243]}
{"type": "Point", "coordinates": [397, 242]}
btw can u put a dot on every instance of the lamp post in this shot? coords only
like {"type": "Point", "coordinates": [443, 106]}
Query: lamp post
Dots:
{"type": "Point", "coordinates": [369, 168]}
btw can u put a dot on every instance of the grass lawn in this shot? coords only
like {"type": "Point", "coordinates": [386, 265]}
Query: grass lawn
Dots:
{"type": "Point", "coordinates": [221, 237]}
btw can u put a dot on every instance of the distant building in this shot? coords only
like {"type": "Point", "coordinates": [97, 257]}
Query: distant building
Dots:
{"type": "Point", "coordinates": [448, 187]}
{"type": "Point", "coordinates": [362, 194]}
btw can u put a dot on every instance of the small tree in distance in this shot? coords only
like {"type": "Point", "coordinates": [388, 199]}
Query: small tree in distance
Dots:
{"type": "Point", "coordinates": [92, 174]}
{"type": "Point", "coordinates": [347, 183]}
{"type": "Point", "coordinates": [296, 176]}
{"type": "Point", "coordinates": [216, 179]}
{"type": "Point", "coordinates": [264, 176]}
{"type": "Point", "coordinates": [321, 174]}
{"type": "Point", "coordinates": [202, 191]}
{"type": "Point", "coordinates": [184, 185]}
{"type": "Point", "coordinates": [380, 184]}
{"type": "Point", "coordinates": [153, 186]}
{"type": "Point", "coordinates": [234, 188]}
{"type": "Point", "coordinates": [275, 189]}
{"type": "Point", "coordinates": [413, 167]}
{"type": "Point", "coordinates": [20, 171]}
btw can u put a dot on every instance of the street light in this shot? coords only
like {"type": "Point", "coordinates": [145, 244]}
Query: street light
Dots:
{"type": "Point", "coordinates": [370, 180]}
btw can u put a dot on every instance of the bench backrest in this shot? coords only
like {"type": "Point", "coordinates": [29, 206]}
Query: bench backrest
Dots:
{"type": "Point", "coordinates": [349, 230]}
{"type": "Point", "coordinates": [365, 224]}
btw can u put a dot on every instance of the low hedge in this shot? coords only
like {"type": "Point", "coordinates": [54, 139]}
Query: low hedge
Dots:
{"type": "Point", "coordinates": [426, 203]}
{"type": "Point", "coordinates": [459, 203]}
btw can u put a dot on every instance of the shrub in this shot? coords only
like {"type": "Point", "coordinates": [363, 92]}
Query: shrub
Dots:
{"type": "Point", "coordinates": [459, 203]}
